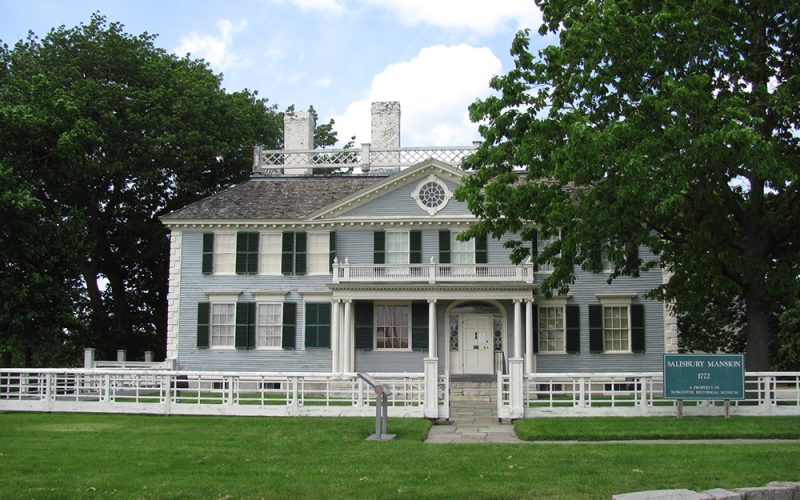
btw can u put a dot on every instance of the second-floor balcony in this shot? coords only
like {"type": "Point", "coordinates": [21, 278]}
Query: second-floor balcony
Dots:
{"type": "Point", "coordinates": [344, 272]}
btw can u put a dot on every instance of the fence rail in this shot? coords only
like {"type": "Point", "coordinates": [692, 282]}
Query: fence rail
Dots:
{"type": "Point", "coordinates": [206, 393]}
{"type": "Point", "coordinates": [629, 394]}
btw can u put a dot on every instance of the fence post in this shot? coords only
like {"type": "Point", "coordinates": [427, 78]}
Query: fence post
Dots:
{"type": "Point", "coordinates": [88, 358]}
{"type": "Point", "coordinates": [148, 356]}
{"type": "Point", "coordinates": [581, 392]}
{"type": "Point", "coordinates": [121, 355]}
{"type": "Point", "coordinates": [515, 388]}
{"type": "Point", "coordinates": [431, 408]}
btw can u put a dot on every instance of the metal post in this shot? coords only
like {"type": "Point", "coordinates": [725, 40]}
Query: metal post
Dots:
{"type": "Point", "coordinates": [378, 413]}
{"type": "Point", "coordinates": [385, 422]}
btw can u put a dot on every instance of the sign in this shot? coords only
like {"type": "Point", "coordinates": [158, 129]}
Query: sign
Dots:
{"type": "Point", "coordinates": [708, 377]}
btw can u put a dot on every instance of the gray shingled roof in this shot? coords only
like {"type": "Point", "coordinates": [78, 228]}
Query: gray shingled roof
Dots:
{"type": "Point", "coordinates": [274, 198]}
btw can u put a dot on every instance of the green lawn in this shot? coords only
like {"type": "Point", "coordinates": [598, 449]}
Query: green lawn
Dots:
{"type": "Point", "coordinates": [132, 456]}
{"type": "Point", "coordinates": [615, 428]}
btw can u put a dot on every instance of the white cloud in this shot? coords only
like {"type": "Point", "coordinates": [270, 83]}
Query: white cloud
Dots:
{"type": "Point", "coordinates": [328, 6]}
{"type": "Point", "coordinates": [476, 15]}
{"type": "Point", "coordinates": [434, 89]}
{"type": "Point", "coordinates": [217, 50]}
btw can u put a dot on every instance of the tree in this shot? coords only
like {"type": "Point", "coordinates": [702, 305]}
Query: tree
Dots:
{"type": "Point", "coordinates": [106, 132]}
{"type": "Point", "coordinates": [671, 125]}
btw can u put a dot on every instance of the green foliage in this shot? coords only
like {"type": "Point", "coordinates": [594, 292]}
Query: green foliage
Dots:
{"type": "Point", "coordinates": [668, 125]}
{"type": "Point", "coordinates": [105, 132]}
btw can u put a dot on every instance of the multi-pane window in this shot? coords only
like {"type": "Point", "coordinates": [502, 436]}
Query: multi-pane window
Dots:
{"type": "Point", "coordinates": [319, 253]}
{"type": "Point", "coordinates": [268, 325]}
{"type": "Point", "coordinates": [551, 329]}
{"type": "Point", "coordinates": [392, 326]}
{"type": "Point", "coordinates": [293, 253]}
{"type": "Point", "coordinates": [223, 321]}
{"type": "Point", "coordinates": [224, 253]}
{"type": "Point", "coordinates": [270, 253]}
{"type": "Point", "coordinates": [461, 252]}
{"type": "Point", "coordinates": [616, 333]}
{"type": "Point", "coordinates": [543, 243]}
{"type": "Point", "coordinates": [318, 325]}
{"type": "Point", "coordinates": [397, 247]}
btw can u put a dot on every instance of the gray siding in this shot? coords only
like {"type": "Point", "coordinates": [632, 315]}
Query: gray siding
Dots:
{"type": "Point", "coordinates": [399, 203]}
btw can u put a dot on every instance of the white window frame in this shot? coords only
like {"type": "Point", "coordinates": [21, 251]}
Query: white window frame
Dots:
{"type": "Point", "coordinates": [376, 326]}
{"type": "Point", "coordinates": [541, 244]}
{"type": "Point", "coordinates": [622, 300]}
{"type": "Point", "coordinates": [404, 254]}
{"type": "Point", "coordinates": [212, 324]}
{"type": "Point", "coordinates": [559, 306]}
{"type": "Point", "coordinates": [448, 195]}
{"type": "Point", "coordinates": [269, 298]}
{"type": "Point", "coordinates": [270, 253]}
{"type": "Point", "coordinates": [461, 250]}
{"type": "Point", "coordinates": [318, 252]}
{"type": "Point", "coordinates": [224, 253]}
{"type": "Point", "coordinates": [259, 344]}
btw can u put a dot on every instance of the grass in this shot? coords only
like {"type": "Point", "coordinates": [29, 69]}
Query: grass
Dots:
{"type": "Point", "coordinates": [617, 428]}
{"type": "Point", "coordinates": [134, 456]}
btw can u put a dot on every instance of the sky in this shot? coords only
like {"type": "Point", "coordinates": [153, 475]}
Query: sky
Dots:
{"type": "Point", "coordinates": [434, 56]}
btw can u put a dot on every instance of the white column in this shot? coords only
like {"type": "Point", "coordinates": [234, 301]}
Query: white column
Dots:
{"type": "Point", "coordinates": [518, 328]}
{"type": "Point", "coordinates": [348, 337]}
{"type": "Point", "coordinates": [431, 328]}
{"type": "Point", "coordinates": [335, 348]}
{"type": "Point", "coordinates": [529, 336]}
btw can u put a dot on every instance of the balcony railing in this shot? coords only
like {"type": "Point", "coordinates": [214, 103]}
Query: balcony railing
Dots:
{"type": "Point", "coordinates": [279, 161]}
{"type": "Point", "coordinates": [344, 272]}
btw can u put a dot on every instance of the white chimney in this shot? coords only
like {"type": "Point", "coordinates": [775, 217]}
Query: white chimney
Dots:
{"type": "Point", "coordinates": [298, 135]}
{"type": "Point", "coordinates": [386, 133]}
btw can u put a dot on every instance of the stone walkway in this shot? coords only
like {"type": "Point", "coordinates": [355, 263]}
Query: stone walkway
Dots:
{"type": "Point", "coordinates": [478, 429]}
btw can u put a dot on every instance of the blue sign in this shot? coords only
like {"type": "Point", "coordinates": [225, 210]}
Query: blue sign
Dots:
{"type": "Point", "coordinates": [708, 377]}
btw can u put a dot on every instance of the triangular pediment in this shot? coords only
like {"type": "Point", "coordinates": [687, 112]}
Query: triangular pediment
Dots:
{"type": "Point", "coordinates": [423, 191]}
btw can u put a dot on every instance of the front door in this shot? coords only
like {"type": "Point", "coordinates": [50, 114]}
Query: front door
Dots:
{"type": "Point", "coordinates": [478, 345]}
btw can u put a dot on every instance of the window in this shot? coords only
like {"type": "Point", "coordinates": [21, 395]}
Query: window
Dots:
{"type": "Point", "coordinates": [616, 325]}
{"type": "Point", "coordinates": [392, 326]}
{"type": "Point", "coordinates": [541, 244]}
{"type": "Point", "coordinates": [461, 252]}
{"type": "Point", "coordinates": [224, 253]}
{"type": "Point", "coordinates": [222, 326]}
{"type": "Point", "coordinates": [269, 324]}
{"type": "Point", "coordinates": [551, 329]}
{"type": "Point", "coordinates": [319, 253]}
{"type": "Point", "coordinates": [431, 194]}
{"type": "Point", "coordinates": [397, 247]}
{"type": "Point", "coordinates": [270, 253]}
{"type": "Point", "coordinates": [616, 333]}
{"type": "Point", "coordinates": [293, 253]}
{"type": "Point", "coordinates": [318, 325]}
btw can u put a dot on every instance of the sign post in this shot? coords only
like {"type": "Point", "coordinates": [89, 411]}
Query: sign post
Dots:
{"type": "Point", "coordinates": [704, 377]}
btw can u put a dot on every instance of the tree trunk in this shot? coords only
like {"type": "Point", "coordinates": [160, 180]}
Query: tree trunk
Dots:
{"type": "Point", "coordinates": [757, 329]}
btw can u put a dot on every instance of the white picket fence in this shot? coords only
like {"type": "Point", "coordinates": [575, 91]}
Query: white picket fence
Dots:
{"type": "Point", "coordinates": [640, 394]}
{"type": "Point", "coordinates": [207, 393]}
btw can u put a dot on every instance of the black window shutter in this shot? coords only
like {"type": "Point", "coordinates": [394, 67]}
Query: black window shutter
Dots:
{"type": "Point", "coordinates": [332, 247]}
{"type": "Point", "coordinates": [637, 327]}
{"type": "Point", "coordinates": [208, 253]}
{"type": "Point", "coordinates": [287, 253]}
{"type": "Point", "coordinates": [318, 325]}
{"type": "Point", "coordinates": [573, 317]}
{"type": "Point", "coordinates": [379, 247]}
{"type": "Point", "coordinates": [481, 250]}
{"type": "Point", "coordinates": [595, 328]}
{"type": "Point", "coordinates": [419, 326]}
{"type": "Point", "coordinates": [364, 324]}
{"type": "Point", "coordinates": [245, 325]}
{"type": "Point", "coordinates": [535, 321]}
{"type": "Point", "coordinates": [252, 255]}
{"type": "Point", "coordinates": [535, 249]}
{"type": "Point", "coordinates": [203, 320]}
{"type": "Point", "coordinates": [246, 253]}
{"type": "Point", "coordinates": [415, 247]}
{"type": "Point", "coordinates": [300, 254]}
{"type": "Point", "coordinates": [444, 247]}
{"type": "Point", "coordinates": [289, 325]}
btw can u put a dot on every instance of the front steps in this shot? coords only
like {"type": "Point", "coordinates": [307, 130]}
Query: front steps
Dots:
{"type": "Point", "coordinates": [473, 414]}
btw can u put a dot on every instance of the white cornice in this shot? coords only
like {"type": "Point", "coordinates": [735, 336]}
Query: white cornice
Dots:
{"type": "Point", "coordinates": [321, 225]}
